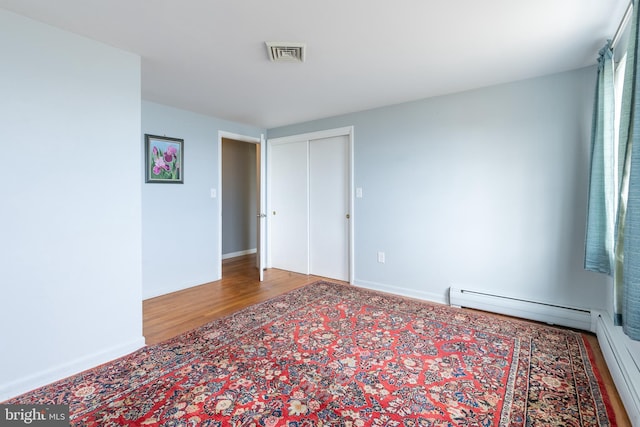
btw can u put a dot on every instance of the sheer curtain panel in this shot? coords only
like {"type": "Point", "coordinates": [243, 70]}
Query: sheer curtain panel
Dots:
{"type": "Point", "coordinates": [599, 248]}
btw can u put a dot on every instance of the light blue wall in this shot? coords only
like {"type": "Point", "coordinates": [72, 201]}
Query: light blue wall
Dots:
{"type": "Point", "coordinates": [181, 222]}
{"type": "Point", "coordinates": [70, 286]}
{"type": "Point", "coordinates": [483, 189]}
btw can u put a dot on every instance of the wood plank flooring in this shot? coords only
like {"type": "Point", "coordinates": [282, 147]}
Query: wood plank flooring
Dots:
{"type": "Point", "coordinates": [169, 315]}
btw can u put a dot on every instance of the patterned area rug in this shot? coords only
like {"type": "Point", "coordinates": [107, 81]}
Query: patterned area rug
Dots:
{"type": "Point", "coordinates": [335, 355]}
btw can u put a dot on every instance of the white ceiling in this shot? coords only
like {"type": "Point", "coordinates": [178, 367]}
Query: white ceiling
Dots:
{"type": "Point", "coordinates": [209, 56]}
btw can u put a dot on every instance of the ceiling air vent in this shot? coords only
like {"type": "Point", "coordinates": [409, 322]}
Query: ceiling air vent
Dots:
{"type": "Point", "coordinates": [286, 52]}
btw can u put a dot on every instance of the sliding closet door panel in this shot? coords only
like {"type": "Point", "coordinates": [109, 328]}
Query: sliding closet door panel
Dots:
{"type": "Point", "coordinates": [328, 207]}
{"type": "Point", "coordinates": [289, 207]}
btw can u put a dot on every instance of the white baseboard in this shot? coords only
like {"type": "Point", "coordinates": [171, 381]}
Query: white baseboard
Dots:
{"type": "Point", "coordinates": [623, 360]}
{"type": "Point", "coordinates": [55, 373]}
{"type": "Point", "coordinates": [407, 292]}
{"type": "Point", "coordinates": [240, 253]}
{"type": "Point", "coordinates": [167, 290]}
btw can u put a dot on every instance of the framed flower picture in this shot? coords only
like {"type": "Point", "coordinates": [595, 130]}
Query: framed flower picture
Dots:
{"type": "Point", "coordinates": [163, 159]}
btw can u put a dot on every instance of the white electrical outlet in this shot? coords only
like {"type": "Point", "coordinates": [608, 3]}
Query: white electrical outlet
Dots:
{"type": "Point", "coordinates": [381, 257]}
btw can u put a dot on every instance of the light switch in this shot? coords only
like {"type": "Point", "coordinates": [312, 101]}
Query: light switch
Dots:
{"type": "Point", "coordinates": [359, 192]}
{"type": "Point", "coordinates": [214, 193]}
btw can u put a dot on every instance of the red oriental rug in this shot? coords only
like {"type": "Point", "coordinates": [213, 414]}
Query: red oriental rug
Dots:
{"type": "Point", "coordinates": [335, 355]}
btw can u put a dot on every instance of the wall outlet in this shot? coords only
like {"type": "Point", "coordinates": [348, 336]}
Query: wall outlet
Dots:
{"type": "Point", "coordinates": [381, 257]}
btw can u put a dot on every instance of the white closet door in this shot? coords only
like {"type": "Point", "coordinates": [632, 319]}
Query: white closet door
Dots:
{"type": "Point", "coordinates": [329, 207]}
{"type": "Point", "coordinates": [289, 206]}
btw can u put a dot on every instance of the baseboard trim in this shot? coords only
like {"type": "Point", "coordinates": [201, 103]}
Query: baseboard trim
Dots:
{"type": "Point", "coordinates": [407, 292]}
{"type": "Point", "coordinates": [48, 376]}
{"type": "Point", "coordinates": [239, 253]}
{"type": "Point", "coordinates": [168, 290]}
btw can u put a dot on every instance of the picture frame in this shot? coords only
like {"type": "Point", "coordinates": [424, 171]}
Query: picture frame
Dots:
{"type": "Point", "coordinates": [164, 159]}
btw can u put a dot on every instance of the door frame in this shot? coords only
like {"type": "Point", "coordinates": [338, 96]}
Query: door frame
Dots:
{"type": "Point", "coordinates": [259, 141]}
{"type": "Point", "coordinates": [347, 131]}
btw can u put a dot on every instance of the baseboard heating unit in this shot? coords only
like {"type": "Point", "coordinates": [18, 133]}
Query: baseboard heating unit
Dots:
{"type": "Point", "coordinates": [623, 359]}
{"type": "Point", "coordinates": [527, 309]}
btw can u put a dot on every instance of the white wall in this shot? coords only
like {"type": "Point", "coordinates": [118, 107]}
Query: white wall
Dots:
{"type": "Point", "coordinates": [181, 222]}
{"type": "Point", "coordinates": [484, 189]}
{"type": "Point", "coordinates": [70, 256]}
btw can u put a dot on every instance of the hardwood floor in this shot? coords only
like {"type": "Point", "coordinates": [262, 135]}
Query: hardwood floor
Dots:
{"type": "Point", "coordinates": [169, 315]}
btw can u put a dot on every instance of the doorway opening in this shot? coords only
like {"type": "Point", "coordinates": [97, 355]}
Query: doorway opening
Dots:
{"type": "Point", "coordinates": [240, 201]}
{"type": "Point", "coordinates": [240, 183]}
